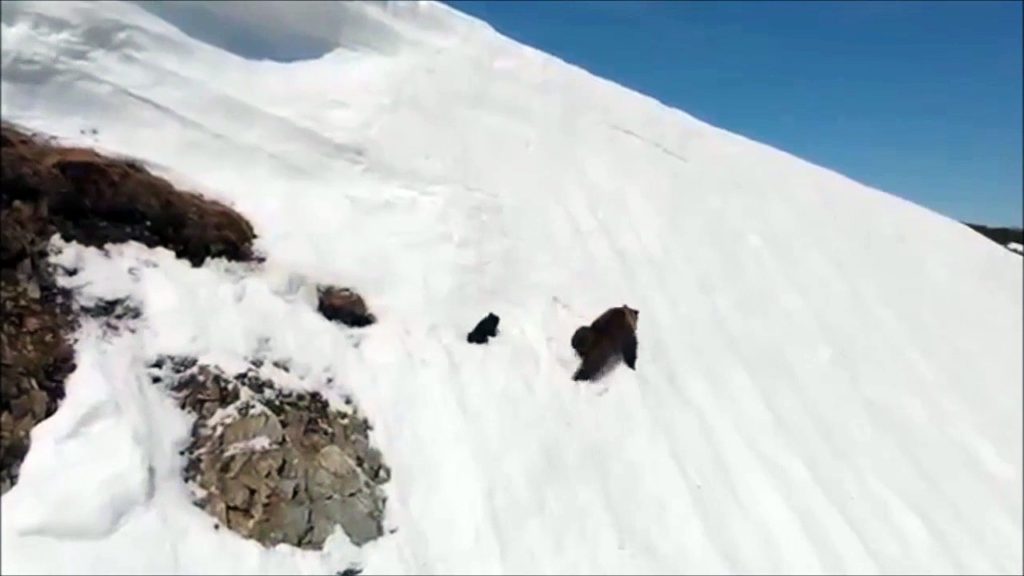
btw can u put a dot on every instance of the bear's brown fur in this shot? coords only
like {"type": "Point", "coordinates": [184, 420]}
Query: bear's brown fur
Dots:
{"type": "Point", "coordinates": [614, 332]}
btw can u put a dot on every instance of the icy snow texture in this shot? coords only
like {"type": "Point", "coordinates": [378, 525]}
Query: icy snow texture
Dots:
{"type": "Point", "coordinates": [829, 378]}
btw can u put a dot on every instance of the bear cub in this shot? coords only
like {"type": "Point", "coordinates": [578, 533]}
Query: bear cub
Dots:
{"type": "Point", "coordinates": [485, 329]}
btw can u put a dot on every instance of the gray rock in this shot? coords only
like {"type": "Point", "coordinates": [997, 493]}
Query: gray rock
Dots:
{"type": "Point", "coordinates": [360, 517]}
{"type": "Point", "coordinates": [346, 476]}
{"type": "Point", "coordinates": [293, 475]}
{"type": "Point", "coordinates": [251, 427]}
{"type": "Point", "coordinates": [284, 521]}
{"type": "Point", "coordinates": [235, 494]}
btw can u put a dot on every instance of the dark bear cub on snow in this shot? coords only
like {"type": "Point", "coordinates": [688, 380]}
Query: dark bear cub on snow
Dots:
{"type": "Point", "coordinates": [613, 333]}
{"type": "Point", "coordinates": [485, 329]}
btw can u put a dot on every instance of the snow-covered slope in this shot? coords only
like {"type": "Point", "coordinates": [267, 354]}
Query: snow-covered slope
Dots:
{"type": "Point", "coordinates": [829, 378]}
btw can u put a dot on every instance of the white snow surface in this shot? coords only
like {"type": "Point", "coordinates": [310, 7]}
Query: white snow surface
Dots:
{"type": "Point", "coordinates": [829, 377]}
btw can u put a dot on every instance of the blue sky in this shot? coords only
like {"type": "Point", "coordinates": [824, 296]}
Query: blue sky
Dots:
{"type": "Point", "coordinates": [920, 99]}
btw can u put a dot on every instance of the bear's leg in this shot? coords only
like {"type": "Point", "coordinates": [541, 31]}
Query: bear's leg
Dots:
{"type": "Point", "coordinates": [592, 363]}
{"type": "Point", "coordinates": [582, 373]}
{"type": "Point", "coordinates": [629, 351]}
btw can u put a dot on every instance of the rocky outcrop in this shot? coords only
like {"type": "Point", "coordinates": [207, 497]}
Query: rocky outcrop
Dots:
{"type": "Point", "coordinates": [35, 321]}
{"type": "Point", "coordinates": [94, 199]}
{"type": "Point", "coordinates": [343, 305]}
{"type": "Point", "coordinates": [279, 467]}
{"type": "Point", "coordinates": [47, 189]}
{"type": "Point", "coordinates": [35, 355]}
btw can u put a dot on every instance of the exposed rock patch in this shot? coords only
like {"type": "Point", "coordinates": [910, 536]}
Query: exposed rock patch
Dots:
{"type": "Point", "coordinates": [343, 305]}
{"type": "Point", "coordinates": [35, 322]}
{"type": "Point", "coordinates": [83, 196]}
{"type": "Point", "coordinates": [115, 315]}
{"type": "Point", "coordinates": [278, 467]}
{"type": "Point", "coordinates": [94, 199]}
{"type": "Point", "coordinates": [36, 355]}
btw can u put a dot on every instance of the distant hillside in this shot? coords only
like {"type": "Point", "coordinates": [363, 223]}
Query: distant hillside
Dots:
{"type": "Point", "coordinates": [1002, 236]}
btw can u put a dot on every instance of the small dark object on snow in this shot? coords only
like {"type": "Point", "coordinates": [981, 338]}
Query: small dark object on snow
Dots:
{"type": "Point", "coordinates": [613, 333]}
{"type": "Point", "coordinates": [485, 329]}
{"type": "Point", "coordinates": [351, 571]}
{"type": "Point", "coordinates": [345, 306]}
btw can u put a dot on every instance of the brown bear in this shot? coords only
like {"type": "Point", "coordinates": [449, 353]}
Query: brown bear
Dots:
{"type": "Point", "coordinates": [613, 333]}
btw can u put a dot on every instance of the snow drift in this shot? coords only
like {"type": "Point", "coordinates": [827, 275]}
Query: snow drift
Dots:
{"type": "Point", "coordinates": [829, 378]}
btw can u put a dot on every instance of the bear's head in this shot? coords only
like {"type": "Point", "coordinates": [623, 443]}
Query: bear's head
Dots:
{"type": "Point", "coordinates": [632, 315]}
